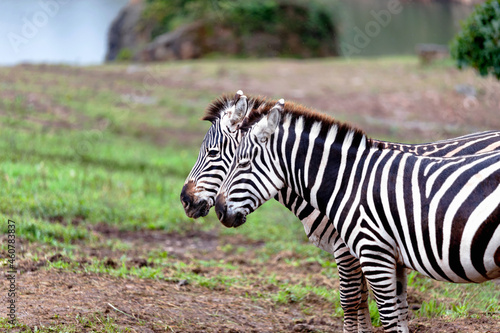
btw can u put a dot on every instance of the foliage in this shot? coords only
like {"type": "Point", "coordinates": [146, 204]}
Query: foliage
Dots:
{"type": "Point", "coordinates": [165, 15]}
{"type": "Point", "coordinates": [432, 309]}
{"type": "Point", "coordinates": [478, 44]}
{"type": "Point", "coordinates": [313, 21]}
{"type": "Point", "coordinates": [125, 54]}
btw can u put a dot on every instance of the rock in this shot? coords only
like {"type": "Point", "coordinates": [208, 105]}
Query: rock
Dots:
{"type": "Point", "coordinates": [427, 53]}
{"type": "Point", "coordinates": [220, 36]}
{"type": "Point", "coordinates": [183, 43]}
{"type": "Point", "coordinates": [466, 89]}
{"type": "Point", "coordinates": [183, 283]}
{"type": "Point", "coordinates": [123, 33]}
{"type": "Point", "coordinates": [304, 328]}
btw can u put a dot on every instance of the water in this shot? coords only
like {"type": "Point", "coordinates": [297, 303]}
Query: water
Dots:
{"type": "Point", "coordinates": [55, 31]}
{"type": "Point", "coordinates": [387, 27]}
{"type": "Point", "coordinates": [75, 31]}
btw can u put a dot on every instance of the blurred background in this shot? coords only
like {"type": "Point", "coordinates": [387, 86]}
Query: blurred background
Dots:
{"type": "Point", "coordinates": [76, 32]}
{"type": "Point", "coordinates": [100, 107]}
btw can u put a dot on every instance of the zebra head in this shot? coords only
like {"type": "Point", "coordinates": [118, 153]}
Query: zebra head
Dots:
{"type": "Point", "coordinates": [253, 177]}
{"type": "Point", "coordinates": [215, 156]}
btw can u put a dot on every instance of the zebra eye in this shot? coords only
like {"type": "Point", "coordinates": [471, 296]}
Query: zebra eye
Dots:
{"type": "Point", "coordinates": [212, 152]}
{"type": "Point", "coordinates": [244, 162]}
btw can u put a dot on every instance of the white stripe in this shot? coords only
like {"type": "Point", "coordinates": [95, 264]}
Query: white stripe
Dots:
{"type": "Point", "coordinates": [474, 222]}
{"type": "Point", "coordinates": [286, 130]}
{"type": "Point", "coordinates": [355, 205]}
{"type": "Point", "coordinates": [369, 194]}
{"type": "Point", "coordinates": [491, 147]}
{"type": "Point", "coordinates": [400, 203]}
{"type": "Point", "coordinates": [313, 134]}
{"type": "Point", "coordinates": [434, 204]}
{"type": "Point", "coordinates": [330, 138]}
{"type": "Point", "coordinates": [350, 186]}
{"type": "Point", "coordinates": [417, 220]}
{"type": "Point", "coordinates": [428, 168]}
{"type": "Point", "coordinates": [346, 144]}
{"type": "Point", "coordinates": [451, 211]}
{"type": "Point", "coordinates": [384, 197]}
{"type": "Point", "coordinates": [299, 127]}
{"type": "Point", "coordinates": [437, 173]}
{"type": "Point", "coordinates": [437, 149]}
{"type": "Point", "coordinates": [489, 261]}
{"type": "Point", "coordinates": [460, 148]}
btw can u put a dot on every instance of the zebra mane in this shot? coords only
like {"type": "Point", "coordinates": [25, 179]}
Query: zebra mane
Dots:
{"type": "Point", "coordinates": [310, 116]}
{"type": "Point", "coordinates": [215, 110]}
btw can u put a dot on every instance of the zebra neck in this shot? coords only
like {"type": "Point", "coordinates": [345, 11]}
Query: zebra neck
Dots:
{"type": "Point", "coordinates": [314, 159]}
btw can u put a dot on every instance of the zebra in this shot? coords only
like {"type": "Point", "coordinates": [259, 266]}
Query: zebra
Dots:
{"type": "Point", "coordinates": [481, 141]}
{"type": "Point", "coordinates": [393, 209]}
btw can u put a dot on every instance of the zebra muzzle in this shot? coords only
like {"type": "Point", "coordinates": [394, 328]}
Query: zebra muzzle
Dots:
{"type": "Point", "coordinates": [228, 218]}
{"type": "Point", "coordinates": [192, 207]}
{"type": "Point", "coordinates": [221, 209]}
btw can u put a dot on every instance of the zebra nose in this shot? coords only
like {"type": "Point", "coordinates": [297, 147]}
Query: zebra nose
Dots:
{"type": "Point", "coordinates": [220, 207]}
{"type": "Point", "coordinates": [185, 197]}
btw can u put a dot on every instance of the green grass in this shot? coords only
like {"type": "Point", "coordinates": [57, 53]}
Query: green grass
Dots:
{"type": "Point", "coordinates": [76, 154]}
{"type": "Point", "coordinates": [97, 322]}
{"type": "Point", "coordinates": [455, 300]}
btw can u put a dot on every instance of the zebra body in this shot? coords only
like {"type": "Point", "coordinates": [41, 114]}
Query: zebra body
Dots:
{"type": "Point", "coordinates": [439, 216]}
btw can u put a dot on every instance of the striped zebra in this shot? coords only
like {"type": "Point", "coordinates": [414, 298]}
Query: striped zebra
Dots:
{"type": "Point", "coordinates": [393, 210]}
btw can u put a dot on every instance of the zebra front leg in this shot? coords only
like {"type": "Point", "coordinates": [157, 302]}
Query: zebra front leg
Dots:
{"type": "Point", "coordinates": [380, 270]}
{"type": "Point", "coordinates": [353, 292]}
{"type": "Point", "coordinates": [364, 318]}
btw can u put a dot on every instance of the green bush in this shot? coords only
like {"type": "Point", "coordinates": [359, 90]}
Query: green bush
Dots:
{"type": "Point", "coordinates": [161, 16]}
{"type": "Point", "coordinates": [313, 21]}
{"type": "Point", "coordinates": [125, 54]}
{"type": "Point", "coordinates": [478, 44]}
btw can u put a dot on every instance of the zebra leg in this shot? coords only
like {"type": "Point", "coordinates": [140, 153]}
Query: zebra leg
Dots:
{"type": "Point", "coordinates": [380, 269]}
{"type": "Point", "coordinates": [401, 293]}
{"type": "Point", "coordinates": [353, 292]}
{"type": "Point", "coordinates": [364, 318]}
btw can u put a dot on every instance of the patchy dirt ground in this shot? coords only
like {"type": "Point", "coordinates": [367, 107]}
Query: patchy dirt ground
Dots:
{"type": "Point", "coordinates": [400, 100]}
{"type": "Point", "coordinates": [63, 297]}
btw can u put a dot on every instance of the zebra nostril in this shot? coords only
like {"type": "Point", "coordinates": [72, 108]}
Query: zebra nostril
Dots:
{"type": "Point", "coordinates": [185, 198]}
{"type": "Point", "coordinates": [220, 207]}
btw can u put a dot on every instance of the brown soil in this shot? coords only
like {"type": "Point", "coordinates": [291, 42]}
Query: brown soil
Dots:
{"type": "Point", "coordinates": [83, 300]}
{"type": "Point", "coordinates": [401, 101]}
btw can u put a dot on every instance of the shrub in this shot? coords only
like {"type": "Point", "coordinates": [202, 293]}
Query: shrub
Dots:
{"type": "Point", "coordinates": [478, 44]}
{"type": "Point", "coordinates": [125, 54]}
{"type": "Point", "coordinates": [312, 21]}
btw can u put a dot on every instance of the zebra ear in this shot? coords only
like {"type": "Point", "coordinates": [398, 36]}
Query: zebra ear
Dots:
{"type": "Point", "coordinates": [240, 108]}
{"type": "Point", "coordinates": [267, 126]}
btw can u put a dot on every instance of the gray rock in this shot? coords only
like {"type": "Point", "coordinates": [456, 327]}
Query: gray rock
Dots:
{"type": "Point", "coordinates": [123, 33]}
{"type": "Point", "coordinates": [466, 89]}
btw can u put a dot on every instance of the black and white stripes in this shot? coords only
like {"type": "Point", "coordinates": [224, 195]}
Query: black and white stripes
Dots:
{"type": "Point", "coordinates": [439, 216]}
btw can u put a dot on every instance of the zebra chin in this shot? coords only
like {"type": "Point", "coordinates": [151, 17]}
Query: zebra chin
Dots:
{"type": "Point", "coordinates": [200, 210]}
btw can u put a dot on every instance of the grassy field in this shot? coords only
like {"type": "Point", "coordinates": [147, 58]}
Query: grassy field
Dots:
{"type": "Point", "coordinates": [93, 161]}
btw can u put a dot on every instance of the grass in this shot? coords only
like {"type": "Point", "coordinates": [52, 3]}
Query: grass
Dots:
{"type": "Point", "coordinates": [76, 153]}
{"type": "Point", "coordinates": [454, 300]}
{"type": "Point", "coordinates": [97, 322]}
